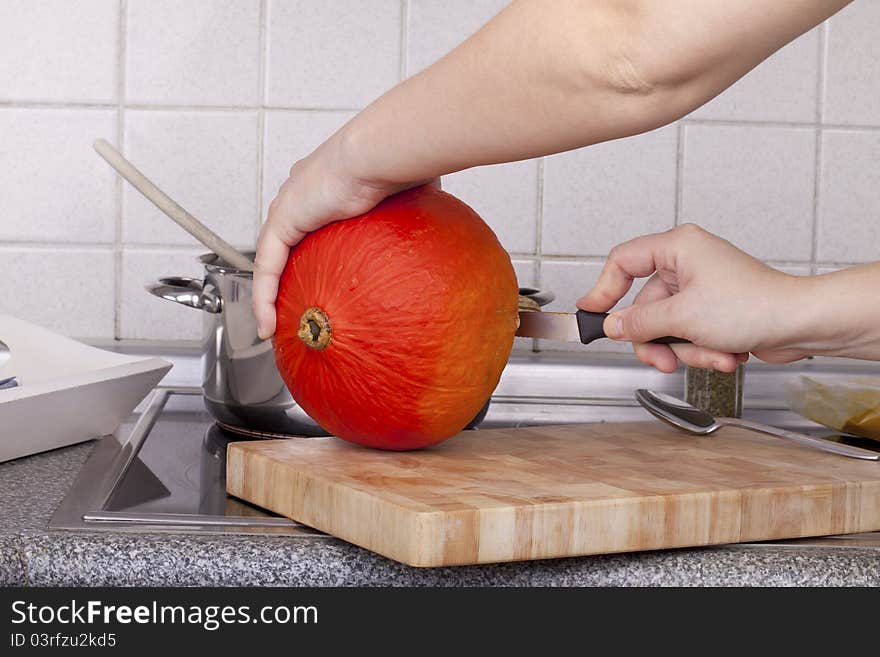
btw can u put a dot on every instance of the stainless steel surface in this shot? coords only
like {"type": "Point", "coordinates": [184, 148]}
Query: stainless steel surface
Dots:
{"type": "Point", "coordinates": [187, 292]}
{"type": "Point", "coordinates": [689, 418]}
{"type": "Point", "coordinates": [5, 355]}
{"type": "Point", "coordinates": [164, 470]}
{"type": "Point", "coordinates": [562, 327]}
{"type": "Point", "coordinates": [184, 520]}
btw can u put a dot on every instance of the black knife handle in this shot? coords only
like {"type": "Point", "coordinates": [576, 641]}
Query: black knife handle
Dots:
{"type": "Point", "coordinates": [591, 327]}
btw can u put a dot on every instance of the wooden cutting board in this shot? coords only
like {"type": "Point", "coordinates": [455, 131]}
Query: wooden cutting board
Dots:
{"type": "Point", "coordinates": [532, 493]}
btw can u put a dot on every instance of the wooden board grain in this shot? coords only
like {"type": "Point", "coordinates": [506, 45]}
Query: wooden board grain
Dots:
{"type": "Point", "coordinates": [532, 493]}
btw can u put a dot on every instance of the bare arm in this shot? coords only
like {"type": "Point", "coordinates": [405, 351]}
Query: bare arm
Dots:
{"type": "Point", "coordinates": [541, 77]}
{"type": "Point", "coordinates": [545, 77]}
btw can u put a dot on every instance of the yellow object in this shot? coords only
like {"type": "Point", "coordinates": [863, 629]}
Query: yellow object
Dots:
{"type": "Point", "coordinates": [851, 405]}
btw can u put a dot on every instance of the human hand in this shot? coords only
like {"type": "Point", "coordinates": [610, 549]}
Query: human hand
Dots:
{"type": "Point", "coordinates": [702, 289]}
{"type": "Point", "coordinates": [318, 191]}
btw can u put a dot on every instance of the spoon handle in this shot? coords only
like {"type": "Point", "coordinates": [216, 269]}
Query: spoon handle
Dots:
{"type": "Point", "coordinates": [802, 439]}
{"type": "Point", "coordinates": [162, 201]}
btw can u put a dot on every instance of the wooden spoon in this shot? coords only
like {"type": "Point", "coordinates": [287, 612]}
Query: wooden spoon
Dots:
{"type": "Point", "coordinates": [162, 201]}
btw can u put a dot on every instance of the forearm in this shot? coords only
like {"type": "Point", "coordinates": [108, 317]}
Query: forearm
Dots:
{"type": "Point", "coordinates": [544, 77]}
{"type": "Point", "coordinates": [835, 314]}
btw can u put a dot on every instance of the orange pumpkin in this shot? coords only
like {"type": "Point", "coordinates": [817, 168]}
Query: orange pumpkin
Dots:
{"type": "Point", "coordinates": [394, 327]}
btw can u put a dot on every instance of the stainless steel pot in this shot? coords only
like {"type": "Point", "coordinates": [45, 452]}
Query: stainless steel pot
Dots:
{"type": "Point", "coordinates": [240, 381]}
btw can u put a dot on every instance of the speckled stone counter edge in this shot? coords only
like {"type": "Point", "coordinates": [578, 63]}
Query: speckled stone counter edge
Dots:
{"type": "Point", "coordinates": [11, 567]}
{"type": "Point", "coordinates": [77, 559]}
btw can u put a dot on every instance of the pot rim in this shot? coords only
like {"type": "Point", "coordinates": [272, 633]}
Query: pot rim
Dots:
{"type": "Point", "coordinates": [214, 264]}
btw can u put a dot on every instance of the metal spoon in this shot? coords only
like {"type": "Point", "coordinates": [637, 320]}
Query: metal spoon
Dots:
{"type": "Point", "coordinates": [689, 418]}
{"type": "Point", "coordinates": [5, 355]}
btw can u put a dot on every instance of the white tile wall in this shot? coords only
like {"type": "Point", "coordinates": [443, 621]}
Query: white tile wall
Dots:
{"type": "Point", "coordinates": [782, 88]}
{"type": "Point", "coordinates": [43, 59]}
{"type": "Point", "coordinates": [143, 316]}
{"type": "Point", "coordinates": [597, 197]}
{"type": "Point", "coordinates": [852, 87]}
{"type": "Point", "coordinates": [198, 52]}
{"type": "Point", "coordinates": [526, 272]}
{"type": "Point", "coordinates": [849, 212]}
{"type": "Point", "coordinates": [206, 161]}
{"type": "Point", "coordinates": [215, 99]}
{"type": "Point", "coordinates": [68, 290]}
{"type": "Point", "coordinates": [53, 187]}
{"type": "Point", "coordinates": [506, 196]}
{"type": "Point", "coordinates": [753, 186]}
{"type": "Point", "coordinates": [332, 54]}
{"type": "Point", "coordinates": [290, 136]}
{"type": "Point", "coordinates": [437, 26]}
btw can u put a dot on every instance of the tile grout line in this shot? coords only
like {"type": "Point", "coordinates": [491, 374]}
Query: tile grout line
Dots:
{"type": "Point", "coordinates": [159, 107]}
{"type": "Point", "coordinates": [539, 232]}
{"type": "Point", "coordinates": [539, 213]}
{"type": "Point", "coordinates": [120, 190]}
{"type": "Point", "coordinates": [261, 114]}
{"type": "Point", "coordinates": [600, 259]}
{"type": "Point", "coordinates": [679, 172]}
{"type": "Point", "coordinates": [782, 124]}
{"type": "Point", "coordinates": [749, 123]}
{"type": "Point", "coordinates": [404, 39]}
{"type": "Point", "coordinates": [108, 247]}
{"type": "Point", "coordinates": [174, 108]}
{"type": "Point", "coordinates": [818, 135]}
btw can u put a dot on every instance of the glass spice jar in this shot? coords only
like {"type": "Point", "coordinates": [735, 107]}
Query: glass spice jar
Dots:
{"type": "Point", "coordinates": [718, 393]}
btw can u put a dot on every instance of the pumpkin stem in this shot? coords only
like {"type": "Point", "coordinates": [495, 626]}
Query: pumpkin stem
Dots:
{"type": "Point", "coordinates": [314, 329]}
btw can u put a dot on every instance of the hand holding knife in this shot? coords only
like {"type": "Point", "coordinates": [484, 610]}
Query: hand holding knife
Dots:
{"type": "Point", "coordinates": [582, 326]}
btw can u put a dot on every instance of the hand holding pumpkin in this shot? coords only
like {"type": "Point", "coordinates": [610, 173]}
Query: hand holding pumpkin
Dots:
{"type": "Point", "coordinates": [317, 192]}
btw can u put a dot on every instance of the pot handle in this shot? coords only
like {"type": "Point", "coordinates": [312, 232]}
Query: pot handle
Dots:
{"type": "Point", "coordinates": [187, 292]}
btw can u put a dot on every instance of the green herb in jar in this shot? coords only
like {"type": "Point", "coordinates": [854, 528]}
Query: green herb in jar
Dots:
{"type": "Point", "coordinates": [717, 393]}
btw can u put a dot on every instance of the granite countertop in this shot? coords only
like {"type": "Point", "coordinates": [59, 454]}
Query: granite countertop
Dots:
{"type": "Point", "coordinates": [32, 554]}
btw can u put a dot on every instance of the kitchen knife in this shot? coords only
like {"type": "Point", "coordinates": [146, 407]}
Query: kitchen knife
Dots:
{"type": "Point", "coordinates": [581, 326]}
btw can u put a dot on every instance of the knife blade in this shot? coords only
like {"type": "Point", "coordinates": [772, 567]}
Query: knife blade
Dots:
{"type": "Point", "coordinates": [582, 326]}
